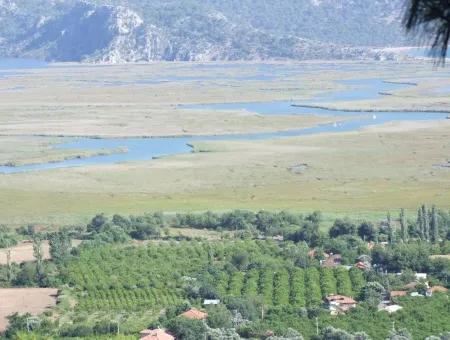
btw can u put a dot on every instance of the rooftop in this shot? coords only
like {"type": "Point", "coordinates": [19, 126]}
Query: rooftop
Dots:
{"type": "Point", "coordinates": [194, 313]}
{"type": "Point", "coordinates": [392, 308]}
{"type": "Point", "coordinates": [341, 299]}
{"type": "Point", "coordinates": [438, 289]}
{"type": "Point", "coordinates": [155, 334]}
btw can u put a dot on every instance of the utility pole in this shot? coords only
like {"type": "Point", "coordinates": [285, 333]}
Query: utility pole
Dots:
{"type": "Point", "coordinates": [317, 325]}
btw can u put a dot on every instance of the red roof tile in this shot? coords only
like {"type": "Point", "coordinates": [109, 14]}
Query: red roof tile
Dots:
{"type": "Point", "coordinates": [155, 334]}
{"type": "Point", "coordinates": [341, 299]}
{"type": "Point", "coordinates": [397, 293]}
{"type": "Point", "coordinates": [194, 313]}
{"type": "Point", "coordinates": [438, 289]}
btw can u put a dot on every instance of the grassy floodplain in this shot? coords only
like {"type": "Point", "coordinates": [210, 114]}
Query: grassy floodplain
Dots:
{"type": "Point", "coordinates": [367, 171]}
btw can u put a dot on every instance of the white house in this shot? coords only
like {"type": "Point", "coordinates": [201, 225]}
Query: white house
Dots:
{"type": "Point", "coordinates": [210, 302]}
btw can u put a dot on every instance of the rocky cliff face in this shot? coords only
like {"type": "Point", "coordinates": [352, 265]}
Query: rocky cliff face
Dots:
{"type": "Point", "coordinates": [124, 31]}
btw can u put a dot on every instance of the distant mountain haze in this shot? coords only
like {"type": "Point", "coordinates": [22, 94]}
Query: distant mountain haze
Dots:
{"type": "Point", "coordinates": [199, 30]}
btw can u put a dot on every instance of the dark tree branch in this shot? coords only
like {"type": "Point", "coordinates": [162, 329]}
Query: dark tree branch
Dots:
{"type": "Point", "coordinates": [431, 19]}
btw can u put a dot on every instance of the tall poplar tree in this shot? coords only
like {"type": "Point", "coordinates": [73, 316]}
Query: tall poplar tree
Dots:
{"type": "Point", "coordinates": [434, 225]}
{"type": "Point", "coordinates": [403, 226]}
{"type": "Point", "coordinates": [426, 222]}
{"type": "Point", "coordinates": [420, 223]}
{"type": "Point", "coordinates": [38, 255]}
{"type": "Point", "coordinates": [391, 231]}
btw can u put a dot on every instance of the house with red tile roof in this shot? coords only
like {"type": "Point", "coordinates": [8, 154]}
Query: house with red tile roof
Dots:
{"type": "Point", "coordinates": [194, 313]}
{"type": "Point", "coordinates": [155, 334]}
{"type": "Point", "coordinates": [339, 304]}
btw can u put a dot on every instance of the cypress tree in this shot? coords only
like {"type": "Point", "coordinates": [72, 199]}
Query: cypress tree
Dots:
{"type": "Point", "coordinates": [403, 225]}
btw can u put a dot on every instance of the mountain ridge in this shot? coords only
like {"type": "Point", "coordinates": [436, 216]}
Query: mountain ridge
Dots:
{"type": "Point", "coordinates": [117, 31]}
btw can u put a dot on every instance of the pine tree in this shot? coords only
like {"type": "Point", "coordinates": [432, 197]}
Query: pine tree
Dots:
{"type": "Point", "coordinates": [404, 226]}
{"type": "Point", "coordinates": [434, 225]}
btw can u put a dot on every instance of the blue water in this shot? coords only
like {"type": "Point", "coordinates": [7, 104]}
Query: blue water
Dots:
{"type": "Point", "coordinates": [17, 63]}
{"type": "Point", "coordinates": [12, 66]}
{"type": "Point", "coordinates": [360, 89]}
{"type": "Point", "coordinates": [139, 149]}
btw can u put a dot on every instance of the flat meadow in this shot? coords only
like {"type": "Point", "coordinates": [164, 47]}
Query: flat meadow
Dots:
{"type": "Point", "coordinates": [362, 173]}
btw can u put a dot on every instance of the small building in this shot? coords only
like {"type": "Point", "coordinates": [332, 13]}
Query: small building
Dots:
{"type": "Point", "coordinates": [339, 304]}
{"type": "Point", "coordinates": [207, 302]}
{"type": "Point", "coordinates": [332, 261]}
{"type": "Point", "coordinates": [420, 276]}
{"type": "Point", "coordinates": [155, 334]}
{"type": "Point", "coordinates": [392, 308]}
{"type": "Point", "coordinates": [195, 314]}
{"type": "Point", "coordinates": [416, 294]}
{"type": "Point", "coordinates": [436, 289]}
{"type": "Point", "coordinates": [278, 238]}
{"type": "Point", "coordinates": [398, 293]}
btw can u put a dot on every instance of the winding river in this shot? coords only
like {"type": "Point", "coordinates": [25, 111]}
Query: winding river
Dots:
{"type": "Point", "coordinates": [139, 149]}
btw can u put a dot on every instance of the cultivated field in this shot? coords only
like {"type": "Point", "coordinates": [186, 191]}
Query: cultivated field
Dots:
{"type": "Point", "coordinates": [370, 171]}
{"type": "Point", "coordinates": [25, 300]}
{"type": "Point", "coordinates": [23, 252]}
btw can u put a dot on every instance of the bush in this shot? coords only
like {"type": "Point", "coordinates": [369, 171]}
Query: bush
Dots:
{"type": "Point", "coordinates": [186, 329]}
{"type": "Point", "coordinates": [219, 317]}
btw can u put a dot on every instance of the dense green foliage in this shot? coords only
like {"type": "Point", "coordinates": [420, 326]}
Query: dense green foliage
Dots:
{"type": "Point", "coordinates": [158, 275]}
{"type": "Point", "coordinates": [263, 282]}
{"type": "Point", "coordinates": [7, 238]}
